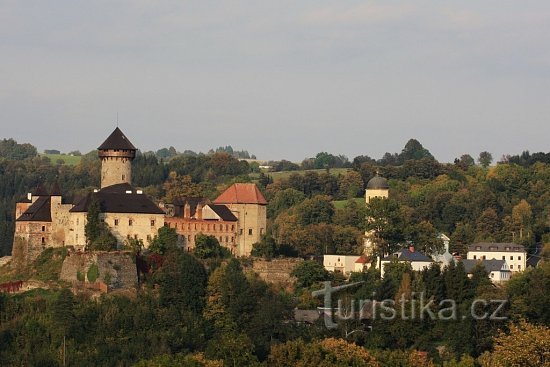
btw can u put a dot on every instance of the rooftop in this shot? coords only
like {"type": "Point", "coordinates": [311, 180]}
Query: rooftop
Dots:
{"type": "Point", "coordinates": [407, 255]}
{"type": "Point", "coordinates": [117, 140]}
{"type": "Point", "coordinates": [496, 247]}
{"type": "Point", "coordinates": [120, 198]}
{"type": "Point", "coordinates": [241, 193]}
{"type": "Point", "coordinates": [489, 265]}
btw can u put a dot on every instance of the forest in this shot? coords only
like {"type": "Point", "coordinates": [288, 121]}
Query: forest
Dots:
{"type": "Point", "coordinates": [206, 309]}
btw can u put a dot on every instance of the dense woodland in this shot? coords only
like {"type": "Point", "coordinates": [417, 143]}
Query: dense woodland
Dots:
{"type": "Point", "coordinates": [205, 309]}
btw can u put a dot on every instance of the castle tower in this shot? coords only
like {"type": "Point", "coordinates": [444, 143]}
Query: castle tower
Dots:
{"type": "Point", "coordinates": [250, 207]}
{"type": "Point", "coordinates": [116, 154]}
{"type": "Point", "coordinates": [377, 187]}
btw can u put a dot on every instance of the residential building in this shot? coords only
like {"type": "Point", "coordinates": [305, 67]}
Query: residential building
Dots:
{"type": "Point", "coordinates": [417, 259]}
{"type": "Point", "coordinates": [514, 254]}
{"type": "Point", "coordinates": [344, 264]}
{"type": "Point", "coordinates": [193, 216]}
{"type": "Point", "coordinates": [498, 270]}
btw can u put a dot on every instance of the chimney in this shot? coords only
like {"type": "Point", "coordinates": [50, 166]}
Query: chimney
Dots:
{"type": "Point", "coordinates": [411, 248]}
{"type": "Point", "coordinates": [199, 211]}
{"type": "Point", "coordinates": [187, 210]}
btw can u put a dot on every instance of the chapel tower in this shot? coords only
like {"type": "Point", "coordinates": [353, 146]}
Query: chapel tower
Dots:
{"type": "Point", "coordinates": [116, 154]}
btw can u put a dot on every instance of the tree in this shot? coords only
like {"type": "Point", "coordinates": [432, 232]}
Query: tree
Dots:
{"type": "Point", "coordinates": [165, 240]}
{"type": "Point", "coordinates": [385, 224]}
{"type": "Point", "coordinates": [266, 248]}
{"type": "Point", "coordinates": [309, 272]}
{"type": "Point", "coordinates": [522, 216]}
{"type": "Point", "coordinates": [178, 187]}
{"type": "Point", "coordinates": [208, 247]}
{"type": "Point", "coordinates": [485, 159]}
{"type": "Point", "coordinates": [182, 281]}
{"type": "Point", "coordinates": [284, 200]}
{"type": "Point", "coordinates": [92, 229]}
{"type": "Point", "coordinates": [318, 209]}
{"type": "Point", "coordinates": [526, 345]}
{"type": "Point", "coordinates": [413, 150]}
{"type": "Point", "coordinates": [324, 353]}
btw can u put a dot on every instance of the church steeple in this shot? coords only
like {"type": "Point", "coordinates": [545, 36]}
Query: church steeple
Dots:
{"type": "Point", "coordinates": [116, 154]}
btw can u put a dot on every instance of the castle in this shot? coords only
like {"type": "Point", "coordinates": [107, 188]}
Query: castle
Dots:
{"type": "Point", "coordinates": [237, 218]}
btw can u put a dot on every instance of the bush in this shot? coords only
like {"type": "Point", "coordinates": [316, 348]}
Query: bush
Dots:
{"type": "Point", "coordinates": [93, 273]}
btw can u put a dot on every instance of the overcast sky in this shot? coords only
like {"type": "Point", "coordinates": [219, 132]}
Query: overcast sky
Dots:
{"type": "Point", "coordinates": [282, 79]}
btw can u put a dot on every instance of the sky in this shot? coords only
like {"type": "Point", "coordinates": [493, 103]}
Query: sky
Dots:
{"type": "Point", "coordinates": [282, 79]}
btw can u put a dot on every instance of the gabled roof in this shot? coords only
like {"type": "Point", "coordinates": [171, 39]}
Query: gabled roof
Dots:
{"type": "Point", "coordinates": [193, 203]}
{"type": "Point", "coordinates": [117, 140]}
{"type": "Point", "coordinates": [407, 255]}
{"type": "Point", "coordinates": [241, 193]}
{"type": "Point", "coordinates": [39, 211]}
{"type": "Point", "coordinates": [489, 265]}
{"type": "Point", "coordinates": [120, 198]}
{"type": "Point", "coordinates": [223, 212]}
{"type": "Point", "coordinates": [496, 247]}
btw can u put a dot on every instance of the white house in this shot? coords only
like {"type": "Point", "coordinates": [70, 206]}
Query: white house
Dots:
{"type": "Point", "coordinates": [417, 259]}
{"type": "Point", "coordinates": [344, 264]}
{"type": "Point", "coordinates": [514, 254]}
{"type": "Point", "coordinates": [498, 270]}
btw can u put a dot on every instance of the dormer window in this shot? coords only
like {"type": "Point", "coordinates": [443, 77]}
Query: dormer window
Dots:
{"type": "Point", "coordinates": [478, 248]}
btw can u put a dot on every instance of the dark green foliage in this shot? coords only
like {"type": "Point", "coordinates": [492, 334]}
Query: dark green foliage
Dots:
{"type": "Point", "coordinates": [165, 240]}
{"type": "Point", "coordinates": [266, 248]}
{"type": "Point", "coordinates": [318, 209]}
{"type": "Point", "coordinates": [10, 149]}
{"type": "Point", "coordinates": [207, 247]}
{"type": "Point", "coordinates": [93, 273]}
{"type": "Point", "coordinates": [92, 229]}
{"type": "Point", "coordinates": [182, 281]}
{"type": "Point", "coordinates": [309, 272]}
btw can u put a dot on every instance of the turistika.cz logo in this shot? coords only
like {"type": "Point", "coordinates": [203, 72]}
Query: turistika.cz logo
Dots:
{"type": "Point", "coordinates": [415, 307]}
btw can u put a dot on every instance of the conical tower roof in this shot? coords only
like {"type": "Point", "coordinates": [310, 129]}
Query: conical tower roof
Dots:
{"type": "Point", "coordinates": [117, 140]}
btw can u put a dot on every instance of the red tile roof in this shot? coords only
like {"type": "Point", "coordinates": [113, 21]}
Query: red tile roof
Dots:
{"type": "Point", "coordinates": [241, 193]}
{"type": "Point", "coordinates": [362, 260]}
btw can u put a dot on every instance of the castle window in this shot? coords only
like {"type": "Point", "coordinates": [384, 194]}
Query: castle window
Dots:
{"type": "Point", "coordinates": [43, 240]}
{"type": "Point", "coordinates": [250, 231]}
{"type": "Point", "coordinates": [511, 266]}
{"type": "Point", "coordinates": [519, 267]}
{"type": "Point", "coordinates": [221, 239]}
{"type": "Point", "coordinates": [504, 258]}
{"type": "Point", "coordinates": [241, 231]}
{"type": "Point", "coordinates": [226, 239]}
{"type": "Point", "coordinates": [148, 237]}
{"type": "Point", "coordinates": [43, 228]}
{"type": "Point", "coordinates": [135, 237]}
{"type": "Point", "coordinates": [511, 258]}
{"type": "Point", "coordinates": [130, 222]}
{"type": "Point", "coordinates": [116, 222]}
{"type": "Point", "coordinates": [475, 257]}
{"type": "Point", "coordinates": [519, 257]}
{"type": "Point", "coordinates": [153, 223]}
{"type": "Point", "coordinates": [123, 177]}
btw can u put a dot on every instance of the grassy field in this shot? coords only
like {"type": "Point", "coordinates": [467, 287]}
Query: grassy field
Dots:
{"type": "Point", "coordinates": [68, 159]}
{"type": "Point", "coordinates": [285, 174]}
{"type": "Point", "coordinates": [340, 204]}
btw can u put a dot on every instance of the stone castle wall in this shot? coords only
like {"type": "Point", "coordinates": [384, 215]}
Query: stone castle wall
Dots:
{"type": "Point", "coordinates": [276, 270]}
{"type": "Point", "coordinates": [116, 269]}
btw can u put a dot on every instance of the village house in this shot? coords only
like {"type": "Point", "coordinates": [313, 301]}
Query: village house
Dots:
{"type": "Point", "coordinates": [514, 254]}
{"type": "Point", "coordinates": [498, 270]}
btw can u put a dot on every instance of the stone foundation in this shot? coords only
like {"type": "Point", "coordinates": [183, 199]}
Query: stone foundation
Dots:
{"type": "Point", "coordinates": [116, 269]}
{"type": "Point", "coordinates": [276, 270]}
